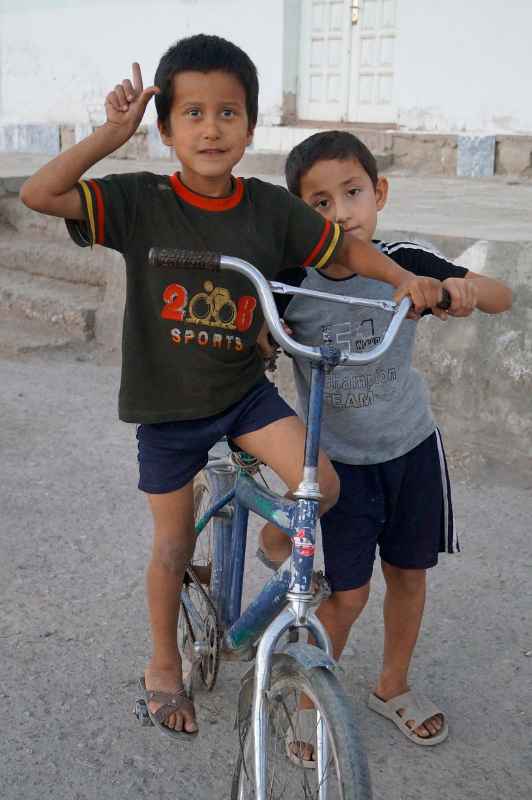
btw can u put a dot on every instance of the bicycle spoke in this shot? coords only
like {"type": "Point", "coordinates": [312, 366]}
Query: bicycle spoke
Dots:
{"type": "Point", "coordinates": [202, 557]}
{"type": "Point", "coordinates": [284, 777]}
{"type": "Point", "coordinates": [198, 631]}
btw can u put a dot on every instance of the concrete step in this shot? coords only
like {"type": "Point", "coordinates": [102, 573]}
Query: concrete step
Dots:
{"type": "Point", "coordinates": [282, 138]}
{"type": "Point", "coordinates": [16, 216]}
{"type": "Point", "coordinates": [69, 307]}
{"type": "Point", "coordinates": [19, 336]}
{"type": "Point", "coordinates": [53, 258]}
{"type": "Point", "coordinates": [258, 162]}
{"type": "Point", "coordinates": [271, 162]}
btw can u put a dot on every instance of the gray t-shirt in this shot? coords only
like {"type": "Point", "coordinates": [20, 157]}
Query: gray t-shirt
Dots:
{"type": "Point", "coordinates": [378, 411]}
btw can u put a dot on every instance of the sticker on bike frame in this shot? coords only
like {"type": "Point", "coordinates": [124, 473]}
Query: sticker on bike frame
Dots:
{"type": "Point", "coordinates": [304, 546]}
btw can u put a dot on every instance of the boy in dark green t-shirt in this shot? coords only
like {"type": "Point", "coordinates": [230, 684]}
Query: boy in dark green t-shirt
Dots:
{"type": "Point", "coordinates": [191, 371]}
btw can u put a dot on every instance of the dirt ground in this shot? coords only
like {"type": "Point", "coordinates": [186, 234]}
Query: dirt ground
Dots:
{"type": "Point", "coordinates": [75, 536]}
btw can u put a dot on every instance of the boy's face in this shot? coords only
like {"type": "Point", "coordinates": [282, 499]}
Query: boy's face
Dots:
{"type": "Point", "coordinates": [342, 192]}
{"type": "Point", "coordinates": [208, 128]}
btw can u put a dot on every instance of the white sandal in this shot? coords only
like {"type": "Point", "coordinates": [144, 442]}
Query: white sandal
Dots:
{"type": "Point", "coordinates": [305, 734]}
{"type": "Point", "coordinates": [416, 709]}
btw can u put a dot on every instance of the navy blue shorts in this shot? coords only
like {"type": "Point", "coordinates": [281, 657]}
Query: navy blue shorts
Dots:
{"type": "Point", "coordinates": [403, 506]}
{"type": "Point", "coordinates": [170, 454]}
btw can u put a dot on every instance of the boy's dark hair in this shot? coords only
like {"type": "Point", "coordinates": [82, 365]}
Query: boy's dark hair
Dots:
{"type": "Point", "coordinates": [327, 146]}
{"type": "Point", "coordinates": [203, 53]}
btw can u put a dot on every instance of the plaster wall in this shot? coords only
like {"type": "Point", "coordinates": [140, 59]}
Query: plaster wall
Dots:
{"type": "Point", "coordinates": [464, 66]}
{"type": "Point", "coordinates": [461, 67]}
{"type": "Point", "coordinates": [59, 58]}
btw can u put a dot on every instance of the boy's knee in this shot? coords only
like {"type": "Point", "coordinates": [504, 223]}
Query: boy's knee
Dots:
{"type": "Point", "coordinates": [330, 490]}
{"type": "Point", "coordinates": [407, 580]}
{"type": "Point", "coordinates": [349, 604]}
{"type": "Point", "coordinates": [171, 556]}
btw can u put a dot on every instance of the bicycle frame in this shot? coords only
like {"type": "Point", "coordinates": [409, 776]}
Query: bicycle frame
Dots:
{"type": "Point", "coordinates": [266, 614]}
{"type": "Point", "coordinates": [297, 518]}
{"type": "Point", "coordinates": [285, 600]}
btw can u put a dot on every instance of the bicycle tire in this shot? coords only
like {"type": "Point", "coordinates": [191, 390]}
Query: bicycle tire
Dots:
{"type": "Point", "coordinates": [203, 498]}
{"type": "Point", "coordinates": [197, 584]}
{"type": "Point", "coordinates": [351, 780]}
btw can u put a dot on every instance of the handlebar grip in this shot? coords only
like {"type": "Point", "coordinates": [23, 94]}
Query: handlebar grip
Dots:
{"type": "Point", "coordinates": [446, 300]}
{"type": "Point", "coordinates": [189, 259]}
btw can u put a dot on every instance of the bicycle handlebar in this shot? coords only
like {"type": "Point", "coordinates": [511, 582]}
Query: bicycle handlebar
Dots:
{"type": "Point", "coordinates": [192, 259]}
{"type": "Point", "coordinates": [188, 259]}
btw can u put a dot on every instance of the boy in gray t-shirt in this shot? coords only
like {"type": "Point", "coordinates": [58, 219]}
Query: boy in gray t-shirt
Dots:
{"type": "Point", "coordinates": [377, 428]}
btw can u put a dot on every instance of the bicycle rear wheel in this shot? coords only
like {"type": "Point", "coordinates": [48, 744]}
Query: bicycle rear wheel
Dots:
{"type": "Point", "coordinates": [346, 775]}
{"type": "Point", "coordinates": [197, 624]}
{"type": "Point", "coordinates": [202, 559]}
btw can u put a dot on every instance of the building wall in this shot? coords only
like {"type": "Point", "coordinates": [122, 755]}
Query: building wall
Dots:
{"type": "Point", "coordinates": [465, 65]}
{"type": "Point", "coordinates": [59, 58]}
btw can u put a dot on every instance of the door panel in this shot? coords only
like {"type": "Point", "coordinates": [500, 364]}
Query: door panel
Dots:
{"type": "Point", "coordinates": [324, 63]}
{"type": "Point", "coordinates": [347, 60]}
{"type": "Point", "coordinates": [371, 92]}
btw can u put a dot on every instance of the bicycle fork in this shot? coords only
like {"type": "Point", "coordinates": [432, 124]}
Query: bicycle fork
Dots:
{"type": "Point", "coordinates": [299, 616]}
{"type": "Point", "coordinates": [298, 612]}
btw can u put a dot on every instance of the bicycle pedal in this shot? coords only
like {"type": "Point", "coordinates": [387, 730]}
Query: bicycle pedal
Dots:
{"type": "Point", "coordinates": [141, 712]}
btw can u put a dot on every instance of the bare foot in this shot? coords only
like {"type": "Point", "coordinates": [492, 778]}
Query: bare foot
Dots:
{"type": "Point", "coordinates": [302, 748]}
{"type": "Point", "coordinates": [169, 681]}
{"type": "Point", "coordinates": [302, 751]}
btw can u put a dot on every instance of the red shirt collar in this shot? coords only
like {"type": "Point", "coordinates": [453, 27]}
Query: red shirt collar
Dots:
{"type": "Point", "coordinates": [208, 203]}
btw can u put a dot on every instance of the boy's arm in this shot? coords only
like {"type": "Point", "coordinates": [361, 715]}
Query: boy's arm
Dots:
{"type": "Point", "coordinates": [477, 291]}
{"type": "Point", "coordinates": [52, 190]}
{"type": "Point", "coordinates": [468, 290]}
{"type": "Point", "coordinates": [313, 242]}
{"type": "Point", "coordinates": [365, 260]}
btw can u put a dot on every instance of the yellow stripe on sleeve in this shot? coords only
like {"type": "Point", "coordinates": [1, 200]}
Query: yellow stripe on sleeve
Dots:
{"type": "Point", "coordinates": [326, 256]}
{"type": "Point", "coordinates": [90, 210]}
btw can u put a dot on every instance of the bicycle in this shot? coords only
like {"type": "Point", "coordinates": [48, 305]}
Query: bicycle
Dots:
{"type": "Point", "coordinates": [211, 624]}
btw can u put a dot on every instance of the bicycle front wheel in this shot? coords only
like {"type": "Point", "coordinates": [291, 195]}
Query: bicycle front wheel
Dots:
{"type": "Point", "coordinates": [345, 776]}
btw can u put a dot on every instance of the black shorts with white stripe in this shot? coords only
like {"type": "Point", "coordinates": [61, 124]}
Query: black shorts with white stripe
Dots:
{"type": "Point", "coordinates": [404, 506]}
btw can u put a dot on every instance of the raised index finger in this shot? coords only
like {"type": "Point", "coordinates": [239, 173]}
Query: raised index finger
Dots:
{"type": "Point", "coordinates": [137, 77]}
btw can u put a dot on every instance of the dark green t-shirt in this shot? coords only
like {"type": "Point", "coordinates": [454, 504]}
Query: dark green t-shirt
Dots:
{"type": "Point", "coordinates": [189, 337]}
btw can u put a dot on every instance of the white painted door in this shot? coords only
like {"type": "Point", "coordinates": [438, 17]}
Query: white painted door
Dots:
{"type": "Point", "coordinates": [324, 62]}
{"type": "Point", "coordinates": [347, 60]}
{"type": "Point", "coordinates": [373, 42]}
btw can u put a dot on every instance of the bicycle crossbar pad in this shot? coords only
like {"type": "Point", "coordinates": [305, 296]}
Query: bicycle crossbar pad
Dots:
{"type": "Point", "coordinates": [190, 259]}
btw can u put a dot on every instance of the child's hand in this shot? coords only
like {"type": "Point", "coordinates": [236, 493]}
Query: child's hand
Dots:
{"type": "Point", "coordinates": [268, 347]}
{"type": "Point", "coordinates": [265, 342]}
{"type": "Point", "coordinates": [425, 293]}
{"type": "Point", "coordinates": [464, 296]}
{"type": "Point", "coordinates": [126, 104]}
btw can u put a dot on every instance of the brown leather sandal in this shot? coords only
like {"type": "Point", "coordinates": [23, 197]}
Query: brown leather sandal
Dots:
{"type": "Point", "coordinates": [178, 701]}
